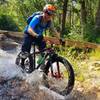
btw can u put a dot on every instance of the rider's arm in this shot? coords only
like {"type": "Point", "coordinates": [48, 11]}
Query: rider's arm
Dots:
{"type": "Point", "coordinates": [32, 26]}
{"type": "Point", "coordinates": [31, 32]}
{"type": "Point", "coordinates": [52, 28]}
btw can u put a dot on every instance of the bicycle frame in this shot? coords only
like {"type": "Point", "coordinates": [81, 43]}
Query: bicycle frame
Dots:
{"type": "Point", "coordinates": [49, 53]}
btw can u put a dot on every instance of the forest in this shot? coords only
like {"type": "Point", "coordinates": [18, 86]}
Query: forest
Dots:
{"type": "Point", "coordinates": [77, 21]}
{"type": "Point", "coordinates": [74, 19]}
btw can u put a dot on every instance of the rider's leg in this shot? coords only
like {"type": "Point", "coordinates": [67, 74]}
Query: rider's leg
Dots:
{"type": "Point", "coordinates": [26, 47]}
{"type": "Point", "coordinates": [27, 42]}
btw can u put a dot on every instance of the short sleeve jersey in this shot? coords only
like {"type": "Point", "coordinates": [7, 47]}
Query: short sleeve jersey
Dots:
{"type": "Point", "coordinates": [37, 25]}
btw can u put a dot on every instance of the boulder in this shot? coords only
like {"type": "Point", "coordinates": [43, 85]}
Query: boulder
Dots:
{"type": "Point", "coordinates": [3, 37]}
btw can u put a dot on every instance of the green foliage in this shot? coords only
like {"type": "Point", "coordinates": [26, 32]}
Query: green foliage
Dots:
{"type": "Point", "coordinates": [7, 23]}
{"type": "Point", "coordinates": [25, 8]}
{"type": "Point", "coordinates": [19, 10]}
{"type": "Point", "coordinates": [90, 33]}
{"type": "Point", "coordinates": [75, 36]}
{"type": "Point", "coordinates": [95, 54]}
{"type": "Point", "coordinates": [78, 59]}
{"type": "Point", "coordinates": [74, 56]}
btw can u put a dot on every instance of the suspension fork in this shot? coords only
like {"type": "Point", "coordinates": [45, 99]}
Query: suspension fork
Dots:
{"type": "Point", "coordinates": [56, 74]}
{"type": "Point", "coordinates": [51, 68]}
{"type": "Point", "coordinates": [58, 70]}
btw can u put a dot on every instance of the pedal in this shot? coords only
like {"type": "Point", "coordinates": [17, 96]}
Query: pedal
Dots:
{"type": "Point", "coordinates": [23, 55]}
{"type": "Point", "coordinates": [17, 62]}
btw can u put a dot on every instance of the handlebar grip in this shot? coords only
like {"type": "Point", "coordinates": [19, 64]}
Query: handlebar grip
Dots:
{"type": "Point", "coordinates": [62, 42]}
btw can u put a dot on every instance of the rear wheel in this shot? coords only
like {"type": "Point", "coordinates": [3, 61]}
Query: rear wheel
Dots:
{"type": "Point", "coordinates": [60, 75]}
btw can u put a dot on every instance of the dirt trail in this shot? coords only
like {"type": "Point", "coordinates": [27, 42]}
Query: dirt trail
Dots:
{"type": "Point", "coordinates": [89, 89]}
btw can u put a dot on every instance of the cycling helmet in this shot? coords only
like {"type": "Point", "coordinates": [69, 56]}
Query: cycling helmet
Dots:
{"type": "Point", "coordinates": [49, 9]}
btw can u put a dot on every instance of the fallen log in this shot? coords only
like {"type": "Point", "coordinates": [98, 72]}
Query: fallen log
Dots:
{"type": "Point", "coordinates": [19, 35]}
{"type": "Point", "coordinates": [77, 44]}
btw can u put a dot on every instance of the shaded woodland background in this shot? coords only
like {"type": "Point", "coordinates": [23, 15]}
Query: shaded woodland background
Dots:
{"type": "Point", "coordinates": [75, 19]}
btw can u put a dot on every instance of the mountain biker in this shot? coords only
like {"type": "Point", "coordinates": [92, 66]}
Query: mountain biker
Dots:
{"type": "Point", "coordinates": [34, 31]}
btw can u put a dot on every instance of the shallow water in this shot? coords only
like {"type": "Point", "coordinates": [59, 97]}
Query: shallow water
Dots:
{"type": "Point", "coordinates": [8, 54]}
{"type": "Point", "coordinates": [9, 69]}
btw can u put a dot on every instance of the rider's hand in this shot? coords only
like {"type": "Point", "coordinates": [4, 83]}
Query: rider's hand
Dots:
{"type": "Point", "coordinates": [39, 37]}
{"type": "Point", "coordinates": [62, 41]}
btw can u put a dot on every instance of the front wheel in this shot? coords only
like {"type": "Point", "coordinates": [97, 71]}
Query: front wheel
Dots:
{"type": "Point", "coordinates": [60, 75]}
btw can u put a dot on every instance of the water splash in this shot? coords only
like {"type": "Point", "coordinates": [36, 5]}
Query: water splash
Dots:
{"type": "Point", "coordinates": [8, 69]}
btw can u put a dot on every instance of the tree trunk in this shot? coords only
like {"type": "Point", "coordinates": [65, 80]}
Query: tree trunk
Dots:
{"type": "Point", "coordinates": [64, 17]}
{"type": "Point", "coordinates": [83, 12]}
{"type": "Point", "coordinates": [97, 19]}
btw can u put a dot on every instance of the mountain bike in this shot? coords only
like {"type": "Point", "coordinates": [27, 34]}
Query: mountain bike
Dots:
{"type": "Point", "coordinates": [56, 68]}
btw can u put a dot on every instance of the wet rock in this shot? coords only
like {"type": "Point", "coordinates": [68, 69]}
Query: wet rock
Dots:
{"type": "Point", "coordinates": [8, 45]}
{"type": "Point", "coordinates": [2, 80]}
{"type": "Point", "coordinates": [35, 78]}
{"type": "Point", "coordinates": [2, 37]}
{"type": "Point", "coordinates": [18, 89]}
{"type": "Point", "coordinates": [14, 88]}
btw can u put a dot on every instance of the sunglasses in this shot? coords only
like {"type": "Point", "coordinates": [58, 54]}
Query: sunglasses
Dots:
{"type": "Point", "coordinates": [50, 13]}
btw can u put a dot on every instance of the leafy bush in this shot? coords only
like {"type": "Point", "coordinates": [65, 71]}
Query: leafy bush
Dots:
{"type": "Point", "coordinates": [7, 23]}
{"type": "Point", "coordinates": [91, 34]}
